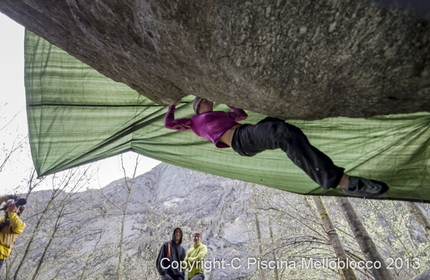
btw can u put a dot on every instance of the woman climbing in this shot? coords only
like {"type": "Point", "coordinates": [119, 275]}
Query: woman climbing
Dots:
{"type": "Point", "coordinates": [222, 129]}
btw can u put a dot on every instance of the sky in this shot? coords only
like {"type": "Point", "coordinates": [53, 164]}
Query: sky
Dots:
{"type": "Point", "coordinates": [13, 120]}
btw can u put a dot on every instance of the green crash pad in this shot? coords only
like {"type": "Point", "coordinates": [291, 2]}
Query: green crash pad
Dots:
{"type": "Point", "coordinates": [77, 116]}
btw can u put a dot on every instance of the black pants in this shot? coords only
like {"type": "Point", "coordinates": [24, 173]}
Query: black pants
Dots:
{"type": "Point", "coordinates": [271, 133]}
{"type": "Point", "coordinates": [168, 277]}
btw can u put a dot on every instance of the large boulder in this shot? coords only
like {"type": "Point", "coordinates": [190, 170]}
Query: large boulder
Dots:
{"type": "Point", "coordinates": [291, 59]}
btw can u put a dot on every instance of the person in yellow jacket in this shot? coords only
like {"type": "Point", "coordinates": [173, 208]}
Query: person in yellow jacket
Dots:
{"type": "Point", "coordinates": [10, 226]}
{"type": "Point", "coordinates": [195, 259]}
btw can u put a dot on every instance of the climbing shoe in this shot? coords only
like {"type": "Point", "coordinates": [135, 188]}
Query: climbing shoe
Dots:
{"type": "Point", "coordinates": [365, 187]}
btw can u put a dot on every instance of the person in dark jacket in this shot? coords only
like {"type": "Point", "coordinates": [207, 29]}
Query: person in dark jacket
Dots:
{"type": "Point", "coordinates": [170, 258]}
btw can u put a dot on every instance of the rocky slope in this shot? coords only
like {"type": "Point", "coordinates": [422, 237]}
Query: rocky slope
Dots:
{"type": "Point", "coordinates": [160, 200]}
{"type": "Point", "coordinates": [78, 235]}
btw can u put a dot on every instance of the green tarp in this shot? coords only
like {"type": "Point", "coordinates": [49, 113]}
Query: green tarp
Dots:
{"type": "Point", "coordinates": [76, 116]}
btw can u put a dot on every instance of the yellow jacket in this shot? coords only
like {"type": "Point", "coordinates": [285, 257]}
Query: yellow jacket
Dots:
{"type": "Point", "coordinates": [9, 233]}
{"type": "Point", "coordinates": [195, 258]}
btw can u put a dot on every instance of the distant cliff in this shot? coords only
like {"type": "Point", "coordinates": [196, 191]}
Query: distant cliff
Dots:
{"type": "Point", "coordinates": [245, 226]}
{"type": "Point", "coordinates": [162, 199]}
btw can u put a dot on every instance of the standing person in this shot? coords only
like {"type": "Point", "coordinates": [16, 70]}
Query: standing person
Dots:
{"type": "Point", "coordinates": [170, 257]}
{"type": "Point", "coordinates": [195, 259]}
{"type": "Point", "coordinates": [222, 129]}
{"type": "Point", "coordinates": [10, 225]}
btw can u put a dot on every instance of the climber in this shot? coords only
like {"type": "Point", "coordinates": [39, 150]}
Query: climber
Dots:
{"type": "Point", "coordinates": [222, 129]}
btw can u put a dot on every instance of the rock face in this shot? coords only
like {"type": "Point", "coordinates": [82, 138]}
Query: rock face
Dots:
{"type": "Point", "coordinates": [291, 59]}
{"type": "Point", "coordinates": [424, 276]}
{"type": "Point", "coordinates": [240, 223]}
{"type": "Point", "coordinates": [162, 199]}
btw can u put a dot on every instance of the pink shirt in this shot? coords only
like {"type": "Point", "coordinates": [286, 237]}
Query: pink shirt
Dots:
{"type": "Point", "coordinates": [209, 125]}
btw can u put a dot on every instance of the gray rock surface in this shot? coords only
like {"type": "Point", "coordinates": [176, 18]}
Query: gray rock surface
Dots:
{"type": "Point", "coordinates": [291, 59]}
{"type": "Point", "coordinates": [423, 276]}
{"type": "Point", "coordinates": [162, 199]}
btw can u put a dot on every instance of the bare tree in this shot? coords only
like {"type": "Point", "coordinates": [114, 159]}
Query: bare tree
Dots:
{"type": "Point", "coordinates": [331, 232]}
{"type": "Point", "coordinates": [7, 152]}
{"type": "Point", "coordinates": [276, 269]}
{"type": "Point", "coordinates": [51, 238]}
{"type": "Point", "coordinates": [380, 272]}
{"type": "Point", "coordinates": [10, 146]}
{"type": "Point", "coordinates": [89, 258]}
{"type": "Point", "coordinates": [72, 181]}
{"type": "Point", "coordinates": [300, 236]}
{"type": "Point", "coordinates": [129, 186]}
{"type": "Point", "coordinates": [258, 230]}
{"type": "Point", "coordinates": [420, 217]}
